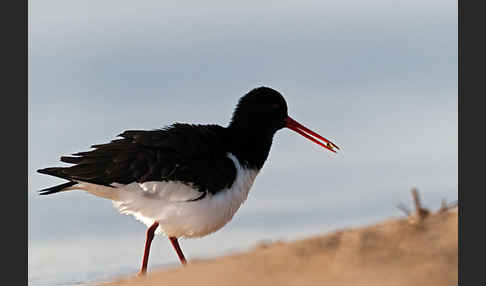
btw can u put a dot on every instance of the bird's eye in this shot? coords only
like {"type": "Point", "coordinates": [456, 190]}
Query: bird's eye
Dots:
{"type": "Point", "coordinates": [275, 106]}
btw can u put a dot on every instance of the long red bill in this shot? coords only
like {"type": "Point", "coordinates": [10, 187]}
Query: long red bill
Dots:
{"type": "Point", "coordinates": [307, 133]}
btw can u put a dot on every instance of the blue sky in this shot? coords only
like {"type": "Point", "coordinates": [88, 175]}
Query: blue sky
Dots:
{"type": "Point", "coordinates": [378, 78]}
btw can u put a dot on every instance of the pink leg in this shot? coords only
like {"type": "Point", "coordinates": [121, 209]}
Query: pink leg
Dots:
{"type": "Point", "coordinates": [148, 242]}
{"type": "Point", "coordinates": [178, 249]}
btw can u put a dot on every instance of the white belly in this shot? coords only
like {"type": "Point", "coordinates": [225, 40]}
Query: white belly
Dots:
{"type": "Point", "coordinates": [166, 203]}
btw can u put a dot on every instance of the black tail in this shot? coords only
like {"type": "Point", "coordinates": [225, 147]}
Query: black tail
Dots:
{"type": "Point", "coordinates": [56, 189]}
{"type": "Point", "coordinates": [57, 172]}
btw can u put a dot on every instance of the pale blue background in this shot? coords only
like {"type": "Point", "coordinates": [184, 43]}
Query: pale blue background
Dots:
{"type": "Point", "coordinates": [377, 77]}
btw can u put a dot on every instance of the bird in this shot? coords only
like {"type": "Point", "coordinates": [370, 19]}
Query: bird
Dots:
{"type": "Point", "coordinates": [183, 180]}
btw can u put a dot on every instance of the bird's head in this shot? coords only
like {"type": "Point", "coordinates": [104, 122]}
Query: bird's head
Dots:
{"type": "Point", "coordinates": [263, 111]}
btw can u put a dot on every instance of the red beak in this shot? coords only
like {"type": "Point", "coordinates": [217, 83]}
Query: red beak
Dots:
{"type": "Point", "coordinates": [307, 133]}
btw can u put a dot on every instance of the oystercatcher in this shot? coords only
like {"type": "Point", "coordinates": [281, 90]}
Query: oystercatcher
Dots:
{"type": "Point", "coordinates": [183, 180]}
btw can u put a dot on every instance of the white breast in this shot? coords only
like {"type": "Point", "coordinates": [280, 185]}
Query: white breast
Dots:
{"type": "Point", "coordinates": [167, 203]}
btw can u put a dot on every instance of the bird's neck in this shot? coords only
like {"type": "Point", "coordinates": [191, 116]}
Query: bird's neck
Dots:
{"type": "Point", "coordinates": [251, 147]}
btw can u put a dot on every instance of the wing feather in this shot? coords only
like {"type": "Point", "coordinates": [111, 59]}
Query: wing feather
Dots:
{"type": "Point", "coordinates": [192, 154]}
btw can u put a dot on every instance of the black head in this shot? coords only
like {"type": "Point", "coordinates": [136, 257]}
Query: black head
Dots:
{"type": "Point", "coordinates": [258, 115]}
{"type": "Point", "coordinates": [262, 110]}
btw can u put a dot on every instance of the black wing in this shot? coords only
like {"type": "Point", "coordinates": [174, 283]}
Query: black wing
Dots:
{"type": "Point", "coordinates": [193, 154]}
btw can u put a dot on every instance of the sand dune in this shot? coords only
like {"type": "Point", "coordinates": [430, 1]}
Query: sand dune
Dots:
{"type": "Point", "coordinates": [396, 252]}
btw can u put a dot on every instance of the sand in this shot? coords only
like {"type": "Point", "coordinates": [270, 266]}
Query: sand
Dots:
{"type": "Point", "coordinates": [407, 251]}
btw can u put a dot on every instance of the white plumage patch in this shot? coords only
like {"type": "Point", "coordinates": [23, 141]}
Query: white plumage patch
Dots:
{"type": "Point", "coordinates": [169, 203]}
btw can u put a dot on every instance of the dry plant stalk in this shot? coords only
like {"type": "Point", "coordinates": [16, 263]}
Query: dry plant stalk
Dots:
{"type": "Point", "coordinates": [404, 209]}
{"type": "Point", "coordinates": [447, 206]}
{"type": "Point", "coordinates": [419, 210]}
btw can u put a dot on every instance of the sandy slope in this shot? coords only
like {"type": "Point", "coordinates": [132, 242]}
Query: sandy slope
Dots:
{"type": "Point", "coordinates": [395, 252]}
